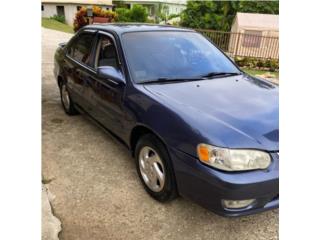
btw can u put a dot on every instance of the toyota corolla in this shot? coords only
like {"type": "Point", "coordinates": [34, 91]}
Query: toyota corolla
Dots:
{"type": "Point", "coordinates": [197, 126]}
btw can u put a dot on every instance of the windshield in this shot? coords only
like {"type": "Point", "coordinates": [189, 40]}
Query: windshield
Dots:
{"type": "Point", "coordinates": [173, 55]}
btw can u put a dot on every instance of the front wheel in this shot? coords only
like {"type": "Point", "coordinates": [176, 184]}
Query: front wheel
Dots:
{"type": "Point", "coordinates": [155, 169]}
{"type": "Point", "coordinates": [66, 100]}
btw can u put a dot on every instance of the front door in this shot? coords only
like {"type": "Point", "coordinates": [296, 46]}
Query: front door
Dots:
{"type": "Point", "coordinates": [107, 95]}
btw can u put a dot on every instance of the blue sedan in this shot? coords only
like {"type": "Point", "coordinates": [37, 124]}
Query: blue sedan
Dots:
{"type": "Point", "coordinates": [197, 126]}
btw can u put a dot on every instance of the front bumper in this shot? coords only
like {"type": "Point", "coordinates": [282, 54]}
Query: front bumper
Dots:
{"type": "Point", "coordinates": [208, 187]}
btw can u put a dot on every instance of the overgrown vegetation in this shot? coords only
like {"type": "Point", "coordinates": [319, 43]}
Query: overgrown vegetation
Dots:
{"type": "Point", "coordinates": [218, 15]}
{"type": "Point", "coordinates": [137, 13]}
{"type": "Point", "coordinates": [55, 25]}
{"type": "Point", "coordinates": [173, 15]}
{"type": "Point", "coordinates": [58, 18]}
{"type": "Point", "coordinates": [271, 65]}
{"type": "Point", "coordinates": [256, 72]}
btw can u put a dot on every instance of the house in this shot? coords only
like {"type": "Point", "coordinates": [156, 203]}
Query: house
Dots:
{"type": "Point", "coordinates": [255, 35]}
{"type": "Point", "coordinates": [68, 8]}
{"type": "Point", "coordinates": [167, 7]}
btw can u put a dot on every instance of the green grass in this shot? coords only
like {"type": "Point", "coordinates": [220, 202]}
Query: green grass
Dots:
{"type": "Point", "coordinates": [55, 25]}
{"type": "Point", "coordinates": [254, 72]}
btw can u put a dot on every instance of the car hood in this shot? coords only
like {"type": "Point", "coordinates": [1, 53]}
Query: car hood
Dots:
{"type": "Point", "coordinates": [237, 112]}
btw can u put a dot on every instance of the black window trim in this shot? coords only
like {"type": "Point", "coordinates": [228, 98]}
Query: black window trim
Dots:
{"type": "Point", "coordinates": [115, 45]}
{"type": "Point", "coordinates": [91, 49]}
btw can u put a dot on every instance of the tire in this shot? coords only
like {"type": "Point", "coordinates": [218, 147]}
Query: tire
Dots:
{"type": "Point", "coordinates": [150, 168]}
{"type": "Point", "coordinates": [66, 101]}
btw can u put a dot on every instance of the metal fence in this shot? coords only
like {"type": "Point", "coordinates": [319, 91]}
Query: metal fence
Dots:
{"type": "Point", "coordinates": [244, 45]}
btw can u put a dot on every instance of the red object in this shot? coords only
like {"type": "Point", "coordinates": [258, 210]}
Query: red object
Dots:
{"type": "Point", "coordinates": [100, 20]}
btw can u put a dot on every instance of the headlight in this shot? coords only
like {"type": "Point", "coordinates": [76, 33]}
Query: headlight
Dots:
{"type": "Point", "coordinates": [233, 159]}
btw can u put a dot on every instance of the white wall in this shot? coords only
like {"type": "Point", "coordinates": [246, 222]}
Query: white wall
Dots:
{"type": "Point", "coordinates": [176, 8]}
{"type": "Point", "coordinates": [51, 10]}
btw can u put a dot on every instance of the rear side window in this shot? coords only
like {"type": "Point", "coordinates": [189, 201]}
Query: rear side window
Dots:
{"type": "Point", "coordinates": [80, 49]}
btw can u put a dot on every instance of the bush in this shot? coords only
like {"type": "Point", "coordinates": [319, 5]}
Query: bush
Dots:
{"type": "Point", "coordinates": [81, 18]}
{"type": "Point", "coordinates": [123, 15]}
{"type": "Point", "coordinates": [58, 18]}
{"type": "Point", "coordinates": [271, 65]}
{"type": "Point", "coordinates": [137, 13]}
{"type": "Point", "coordinates": [173, 15]}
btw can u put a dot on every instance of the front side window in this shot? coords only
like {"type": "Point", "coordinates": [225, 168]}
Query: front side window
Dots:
{"type": "Point", "coordinates": [106, 53]}
{"type": "Point", "coordinates": [172, 54]}
{"type": "Point", "coordinates": [81, 47]}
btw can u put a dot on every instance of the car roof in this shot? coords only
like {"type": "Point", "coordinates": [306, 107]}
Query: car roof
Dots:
{"type": "Point", "coordinates": [120, 28]}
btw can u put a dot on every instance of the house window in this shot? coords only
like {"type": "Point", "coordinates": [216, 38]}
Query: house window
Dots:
{"type": "Point", "coordinates": [79, 7]}
{"type": "Point", "coordinates": [60, 10]}
{"type": "Point", "coordinates": [252, 39]}
{"type": "Point", "coordinates": [42, 8]}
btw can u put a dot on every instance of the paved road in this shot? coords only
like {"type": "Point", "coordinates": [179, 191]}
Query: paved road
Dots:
{"type": "Point", "coordinates": [97, 193]}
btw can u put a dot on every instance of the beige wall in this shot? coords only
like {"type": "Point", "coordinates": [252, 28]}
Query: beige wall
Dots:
{"type": "Point", "coordinates": [268, 47]}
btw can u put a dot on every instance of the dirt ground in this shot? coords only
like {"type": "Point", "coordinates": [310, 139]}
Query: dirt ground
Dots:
{"type": "Point", "coordinates": [97, 193]}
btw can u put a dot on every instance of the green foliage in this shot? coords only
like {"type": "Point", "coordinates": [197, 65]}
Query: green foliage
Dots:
{"type": "Point", "coordinates": [173, 16]}
{"type": "Point", "coordinates": [219, 15]}
{"type": "Point", "coordinates": [123, 15]}
{"type": "Point", "coordinates": [255, 72]}
{"type": "Point", "coordinates": [271, 7]}
{"type": "Point", "coordinates": [256, 63]}
{"type": "Point", "coordinates": [137, 13]}
{"type": "Point", "coordinates": [58, 18]}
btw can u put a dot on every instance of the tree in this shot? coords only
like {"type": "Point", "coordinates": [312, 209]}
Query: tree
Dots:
{"type": "Point", "coordinates": [218, 15]}
{"type": "Point", "coordinates": [271, 7]}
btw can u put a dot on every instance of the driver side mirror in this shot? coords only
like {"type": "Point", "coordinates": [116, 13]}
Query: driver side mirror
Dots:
{"type": "Point", "coordinates": [108, 72]}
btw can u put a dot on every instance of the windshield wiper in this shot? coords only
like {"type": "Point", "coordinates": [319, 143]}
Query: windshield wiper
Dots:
{"type": "Point", "coordinates": [218, 74]}
{"type": "Point", "coordinates": [186, 79]}
{"type": "Point", "coordinates": [171, 80]}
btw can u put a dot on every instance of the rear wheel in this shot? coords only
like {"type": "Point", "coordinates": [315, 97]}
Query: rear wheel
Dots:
{"type": "Point", "coordinates": [155, 169]}
{"type": "Point", "coordinates": [66, 100]}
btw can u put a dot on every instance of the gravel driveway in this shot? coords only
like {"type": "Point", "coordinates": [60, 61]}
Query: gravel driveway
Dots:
{"type": "Point", "coordinates": [97, 193]}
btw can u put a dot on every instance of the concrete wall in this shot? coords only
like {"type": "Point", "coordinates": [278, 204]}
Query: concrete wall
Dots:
{"type": "Point", "coordinates": [268, 46]}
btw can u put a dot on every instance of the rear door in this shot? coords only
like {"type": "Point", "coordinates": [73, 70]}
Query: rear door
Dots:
{"type": "Point", "coordinates": [79, 66]}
